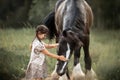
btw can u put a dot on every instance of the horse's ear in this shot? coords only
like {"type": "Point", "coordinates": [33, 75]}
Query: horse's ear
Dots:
{"type": "Point", "coordinates": [65, 32]}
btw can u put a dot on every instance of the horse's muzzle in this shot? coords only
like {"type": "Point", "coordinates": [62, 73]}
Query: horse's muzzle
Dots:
{"type": "Point", "coordinates": [60, 74]}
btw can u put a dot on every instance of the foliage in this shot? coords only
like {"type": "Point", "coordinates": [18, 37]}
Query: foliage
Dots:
{"type": "Point", "coordinates": [10, 68]}
{"type": "Point", "coordinates": [107, 48]}
{"type": "Point", "coordinates": [39, 9]}
{"type": "Point", "coordinates": [15, 53]}
{"type": "Point", "coordinates": [107, 13]}
{"type": "Point", "coordinates": [17, 12]}
{"type": "Point", "coordinates": [14, 12]}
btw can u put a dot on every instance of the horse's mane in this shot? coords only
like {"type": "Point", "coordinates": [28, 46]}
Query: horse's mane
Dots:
{"type": "Point", "coordinates": [75, 22]}
{"type": "Point", "coordinates": [49, 21]}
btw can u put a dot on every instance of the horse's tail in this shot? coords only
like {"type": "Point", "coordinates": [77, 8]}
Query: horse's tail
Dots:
{"type": "Point", "coordinates": [49, 21]}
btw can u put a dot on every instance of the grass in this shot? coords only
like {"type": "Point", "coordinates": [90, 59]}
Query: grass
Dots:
{"type": "Point", "coordinates": [15, 53]}
{"type": "Point", "coordinates": [106, 53]}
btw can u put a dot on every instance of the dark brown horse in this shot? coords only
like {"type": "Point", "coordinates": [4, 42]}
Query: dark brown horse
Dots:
{"type": "Point", "coordinates": [70, 23]}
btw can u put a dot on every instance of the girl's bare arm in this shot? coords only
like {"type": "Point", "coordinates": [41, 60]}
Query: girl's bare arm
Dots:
{"type": "Point", "coordinates": [46, 52]}
{"type": "Point", "coordinates": [51, 45]}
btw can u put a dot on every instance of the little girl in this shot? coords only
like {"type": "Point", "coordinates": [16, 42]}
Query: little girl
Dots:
{"type": "Point", "coordinates": [36, 69]}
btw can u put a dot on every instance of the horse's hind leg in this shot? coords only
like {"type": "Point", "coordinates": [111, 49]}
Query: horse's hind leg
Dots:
{"type": "Point", "coordinates": [90, 74]}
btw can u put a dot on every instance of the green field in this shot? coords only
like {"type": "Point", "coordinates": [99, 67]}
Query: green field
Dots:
{"type": "Point", "coordinates": [15, 53]}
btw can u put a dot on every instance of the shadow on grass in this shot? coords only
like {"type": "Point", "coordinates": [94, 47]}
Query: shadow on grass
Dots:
{"type": "Point", "coordinates": [12, 66]}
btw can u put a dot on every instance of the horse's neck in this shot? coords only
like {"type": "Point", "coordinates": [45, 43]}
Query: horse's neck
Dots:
{"type": "Point", "coordinates": [71, 12]}
{"type": "Point", "coordinates": [75, 0]}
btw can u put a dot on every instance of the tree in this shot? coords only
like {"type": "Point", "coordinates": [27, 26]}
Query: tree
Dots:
{"type": "Point", "coordinates": [106, 13]}
{"type": "Point", "coordinates": [39, 9]}
{"type": "Point", "coordinates": [14, 12]}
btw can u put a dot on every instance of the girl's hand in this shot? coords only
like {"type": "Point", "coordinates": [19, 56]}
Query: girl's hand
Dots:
{"type": "Point", "coordinates": [57, 44]}
{"type": "Point", "coordinates": [62, 58]}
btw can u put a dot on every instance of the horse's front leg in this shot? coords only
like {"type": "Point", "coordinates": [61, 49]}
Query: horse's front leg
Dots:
{"type": "Point", "coordinates": [87, 57]}
{"type": "Point", "coordinates": [55, 76]}
{"type": "Point", "coordinates": [77, 73]}
{"type": "Point", "coordinates": [66, 76]}
{"type": "Point", "coordinates": [90, 74]}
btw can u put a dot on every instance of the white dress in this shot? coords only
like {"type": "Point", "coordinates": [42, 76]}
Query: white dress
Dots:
{"type": "Point", "coordinates": [37, 64]}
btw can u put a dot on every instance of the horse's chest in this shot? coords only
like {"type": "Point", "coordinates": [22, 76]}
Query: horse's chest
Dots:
{"type": "Point", "coordinates": [60, 12]}
{"type": "Point", "coordinates": [59, 16]}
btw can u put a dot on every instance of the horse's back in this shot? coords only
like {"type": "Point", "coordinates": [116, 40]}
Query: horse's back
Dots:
{"type": "Point", "coordinates": [89, 15]}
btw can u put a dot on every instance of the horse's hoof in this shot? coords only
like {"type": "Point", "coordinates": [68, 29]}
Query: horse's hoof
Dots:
{"type": "Point", "coordinates": [77, 73]}
{"type": "Point", "coordinates": [54, 76]}
{"type": "Point", "coordinates": [90, 75]}
{"type": "Point", "coordinates": [63, 77]}
{"type": "Point", "coordinates": [79, 77]}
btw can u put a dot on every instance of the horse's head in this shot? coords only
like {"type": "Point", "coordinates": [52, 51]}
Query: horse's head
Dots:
{"type": "Point", "coordinates": [67, 44]}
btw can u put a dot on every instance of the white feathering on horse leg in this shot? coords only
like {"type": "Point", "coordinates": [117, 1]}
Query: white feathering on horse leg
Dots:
{"type": "Point", "coordinates": [63, 77]}
{"type": "Point", "coordinates": [91, 75]}
{"type": "Point", "coordinates": [77, 73]}
{"type": "Point", "coordinates": [54, 75]}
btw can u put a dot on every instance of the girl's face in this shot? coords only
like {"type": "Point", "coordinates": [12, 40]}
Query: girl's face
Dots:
{"type": "Point", "coordinates": [41, 36]}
